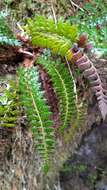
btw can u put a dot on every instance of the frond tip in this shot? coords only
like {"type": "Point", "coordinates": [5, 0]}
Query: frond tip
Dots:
{"type": "Point", "coordinates": [37, 111]}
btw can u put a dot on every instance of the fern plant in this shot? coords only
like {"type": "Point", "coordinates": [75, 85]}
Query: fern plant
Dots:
{"type": "Point", "coordinates": [58, 37]}
{"type": "Point", "coordinates": [75, 55]}
{"type": "Point", "coordinates": [63, 84]}
{"type": "Point", "coordinates": [37, 110]}
{"type": "Point", "coordinates": [9, 107]}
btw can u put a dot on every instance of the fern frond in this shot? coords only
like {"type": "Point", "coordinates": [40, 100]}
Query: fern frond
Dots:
{"type": "Point", "coordinates": [37, 111]}
{"type": "Point", "coordinates": [58, 37]}
{"type": "Point", "coordinates": [64, 86]}
{"type": "Point", "coordinates": [42, 24]}
{"type": "Point", "coordinates": [9, 107]}
{"type": "Point", "coordinates": [6, 35]}
{"type": "Point", "coordinates": [89, 71]}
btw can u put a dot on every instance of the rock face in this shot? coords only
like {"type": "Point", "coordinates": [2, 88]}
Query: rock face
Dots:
{"type": "Point", "coordinates": [87, 168]}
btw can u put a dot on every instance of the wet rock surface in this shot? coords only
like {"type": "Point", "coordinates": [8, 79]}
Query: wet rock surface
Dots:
{"type": "Point", "coordinates": [87, 168]}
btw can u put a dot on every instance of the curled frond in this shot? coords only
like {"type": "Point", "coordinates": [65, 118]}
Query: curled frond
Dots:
{"type": "Point", "coordinates": [90, 72]}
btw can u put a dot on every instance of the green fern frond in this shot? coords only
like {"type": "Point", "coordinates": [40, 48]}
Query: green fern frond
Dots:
{"type": "Point", "coordinates": [6, 35]}
{"type": "Point", "coordinates": [58, 37]}
{"type": "Point", "coordinates": [63, 84]}
{"type": "Point", "coordinates": [42, 24]}
{"type": "Point", "coordinates": [9, 107]}
{"type": "Point", "coordinates": [37, 111]}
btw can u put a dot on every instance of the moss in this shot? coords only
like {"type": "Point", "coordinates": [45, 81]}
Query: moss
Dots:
{"type": "Point", "coordinates": [77, 125]}
{"type": "Point", "coordinates": [74, 168]}
{"type": "Point", "coordinates": [92, 178]}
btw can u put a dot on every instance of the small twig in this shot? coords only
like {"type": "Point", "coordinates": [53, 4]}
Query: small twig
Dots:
{"type": "Point", "coordinates": [26, 52]}
{"type": "Point", "coordinates": [20, 27]}
{"type": "Point", "coordinates": [53, 11]}
{"type": "Point", "coordinates": [29, 58]}
{"type": "Point", "coordinates": [74, 4]}
{"type": "Point", "coordinates": [22, 35]}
